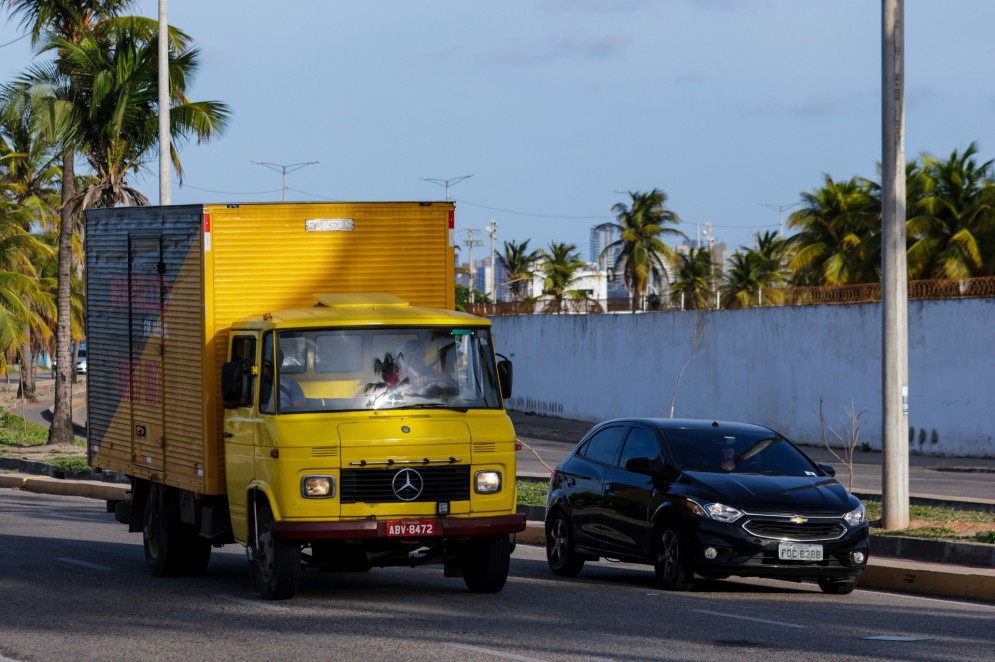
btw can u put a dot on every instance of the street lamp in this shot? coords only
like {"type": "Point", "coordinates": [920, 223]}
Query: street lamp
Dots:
{"type": "Point", "coordinates": [447, 183]}
{"type": "Point", "coordinates": [780, 210]}
{"type": "Point", "coordinates": [284, 168]}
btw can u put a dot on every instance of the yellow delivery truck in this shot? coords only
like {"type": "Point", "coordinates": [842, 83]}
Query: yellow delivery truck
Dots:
{"type": "Point", "coordinates": [294, 378]}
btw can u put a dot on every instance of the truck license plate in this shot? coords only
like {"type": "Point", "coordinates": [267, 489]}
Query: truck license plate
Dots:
{"type": "Point", "coordinates": [410, 528]}
{"type": "Point", "coordinates": [792, 552]}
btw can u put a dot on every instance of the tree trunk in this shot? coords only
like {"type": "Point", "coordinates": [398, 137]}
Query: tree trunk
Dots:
{"type": "Point", "coordinates": [26, 387]}
{"type": "Point", "coordinates": [61, 431]}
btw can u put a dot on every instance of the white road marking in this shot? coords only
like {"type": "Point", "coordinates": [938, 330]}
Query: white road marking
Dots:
{"type": "Point", "coordinates": [251, 603]}
{"type": "Point", "coordinates": [93, 566]}
{"type": "Point", "coordinates": [888, 637]}
{"type": "Point", "coordinates": [490, 651]}
{"type": "Point", "coordinates": [749, 618]}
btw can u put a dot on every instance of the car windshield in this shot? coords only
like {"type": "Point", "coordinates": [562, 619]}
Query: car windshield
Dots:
{"type": "Point", "coordinates": [385, 368]}
{"type": "Point", "coordinates": [715, 450]}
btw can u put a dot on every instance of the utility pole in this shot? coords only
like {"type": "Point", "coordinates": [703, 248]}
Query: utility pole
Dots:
{"type": "Point", "coordinates": [470, 242]}
{"type": "Point", "coordinates": [780, 215]}
{"type": "Point", "coordinates": [447, 183]}
{"type": "Point", "coordinates": [284, 168]}
{"type": "Point", "coordinates": [894, 274]}
{"type": "Point", "coordinates": [491, 229]}
{"type": "Point", "coordinates": [165, 188]}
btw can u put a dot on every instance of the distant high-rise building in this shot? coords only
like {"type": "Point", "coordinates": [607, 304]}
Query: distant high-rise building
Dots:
{"type": "Point", "coordinates": [601, 238]}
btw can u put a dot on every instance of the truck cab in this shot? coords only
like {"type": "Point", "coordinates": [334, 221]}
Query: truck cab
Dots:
{"type": "Point", "coordinates": [364, 431]}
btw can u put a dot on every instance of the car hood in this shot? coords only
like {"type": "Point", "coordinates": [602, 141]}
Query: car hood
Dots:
{"type": "Point", "coordinates": [811, 494]}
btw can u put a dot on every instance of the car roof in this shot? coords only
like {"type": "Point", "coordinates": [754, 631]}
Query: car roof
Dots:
{"type": "Point", "coordinates": [665, 424]}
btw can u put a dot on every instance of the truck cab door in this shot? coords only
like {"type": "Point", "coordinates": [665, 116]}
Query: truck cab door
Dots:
{"type": "Point", "coordinates": [241, 427]}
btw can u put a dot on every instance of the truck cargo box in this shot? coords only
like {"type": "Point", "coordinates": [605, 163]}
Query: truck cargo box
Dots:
{"type": "Point", "coordinates": [164, 284]}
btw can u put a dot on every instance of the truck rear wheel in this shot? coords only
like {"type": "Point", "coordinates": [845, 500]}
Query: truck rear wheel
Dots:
{"type": "Point", "coordinates": [275, 565]}
{"type": "Point", "coordinates": [161, 535]}
{"type": "Point", "coordinates": [485, 564]}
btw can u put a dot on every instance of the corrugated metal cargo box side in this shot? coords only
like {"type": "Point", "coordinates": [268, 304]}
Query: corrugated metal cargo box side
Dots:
{"type": "Point", "coordinates": [147, 386]}
{"type": "Point", "coordinates": [268, 257]}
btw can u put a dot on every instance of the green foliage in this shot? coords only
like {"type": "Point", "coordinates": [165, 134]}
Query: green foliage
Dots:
{"type": "Point", "coordinates": [74, 464]}
{"type": "Point", "coordinates": [15, 431]}
{"type": "Point", "coordinates": [532, 492]}
{"type": "Point", "coordinates": [935, 522]}
{"type": "Point", "coordinates": [463, 297]}
{"type": "Point", "coordinates": [987, 536]}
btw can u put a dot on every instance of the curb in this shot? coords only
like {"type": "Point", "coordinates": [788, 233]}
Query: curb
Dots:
{"type": "Point", "coordinates": [48, 485]}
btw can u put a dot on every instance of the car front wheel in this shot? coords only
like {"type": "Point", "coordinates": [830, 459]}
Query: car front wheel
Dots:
{"type": "Point", "coordinates": [560, 555]}
{"type": "Point", "coordinates": [838, 586]}
{"type": "Point", "coordinates": [672, 561]}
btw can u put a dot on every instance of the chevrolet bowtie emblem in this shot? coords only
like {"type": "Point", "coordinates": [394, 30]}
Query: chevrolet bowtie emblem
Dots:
{"type": "Point", "coordinates": [798, 519]}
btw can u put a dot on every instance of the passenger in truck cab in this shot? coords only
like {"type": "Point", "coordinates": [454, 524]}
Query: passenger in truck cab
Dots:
{"type": "Point", "coordinates": [291, 394]}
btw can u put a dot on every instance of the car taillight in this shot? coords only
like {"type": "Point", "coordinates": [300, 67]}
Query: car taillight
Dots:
{"type": "Point", "coordinates": [552, 477]}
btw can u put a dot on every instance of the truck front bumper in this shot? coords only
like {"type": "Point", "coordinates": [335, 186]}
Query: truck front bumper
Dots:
{"type": "Point", "coordinates": [446, 527]}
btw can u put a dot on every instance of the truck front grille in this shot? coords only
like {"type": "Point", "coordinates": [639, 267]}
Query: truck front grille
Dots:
{"type": "Point", "coordinates": [400, 484]}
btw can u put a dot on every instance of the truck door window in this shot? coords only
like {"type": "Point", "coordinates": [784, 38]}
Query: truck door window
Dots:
{"type": "Point", "coordinates": [243, 350]}
{"type": "Point", "coordinates": [267, 403]}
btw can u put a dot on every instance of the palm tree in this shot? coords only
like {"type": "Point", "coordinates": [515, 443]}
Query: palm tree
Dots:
{"type": "Point", "coordinates": [69, 20]}
{"type": "Point", "coordinates": [518, 263]}
{"type": "Point", "coordinates": [102, 101]}
{"type": "Point", "coordinates": [949, 237]}
{"type": "Point", "coordinates": [641, 252]}
{"type": "Point", "coordinates": [30, 170]}
{"type": "Point", "coordinates": [692, 286]}
{"type": "Point", "coordinates": [755, 272]}
{"type": "Point", "coordinates": [839, 241]}
{"type": "Point", "coordinates": [559, 266]}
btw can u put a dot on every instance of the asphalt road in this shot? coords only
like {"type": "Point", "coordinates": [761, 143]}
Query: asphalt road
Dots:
{"type": "Point", "coordinates": [74, 586]}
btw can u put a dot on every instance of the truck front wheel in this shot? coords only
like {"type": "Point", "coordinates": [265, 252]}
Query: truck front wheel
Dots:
{"type": "Point", "coordinates": [275, 565]}
{"type": "Point", "coordinates": [485, 564]}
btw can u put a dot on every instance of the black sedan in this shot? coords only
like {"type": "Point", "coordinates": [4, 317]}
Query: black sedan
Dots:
{"type": "Point", "coordinates": [704, 498]}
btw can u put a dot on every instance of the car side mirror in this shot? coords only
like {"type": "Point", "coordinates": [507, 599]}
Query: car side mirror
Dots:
{"type": "Point", "coordinates": [236, 388]}
{"type": "Point", "coordinates": [505, 373]}
{"type": "Point", "coordinates": [828, 468]}
{"type": "Point", "coordinates": [645, 466]}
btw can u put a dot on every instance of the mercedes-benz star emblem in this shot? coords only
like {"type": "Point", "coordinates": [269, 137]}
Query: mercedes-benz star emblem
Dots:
{"type": "Point", "coordinates": [407, 484]}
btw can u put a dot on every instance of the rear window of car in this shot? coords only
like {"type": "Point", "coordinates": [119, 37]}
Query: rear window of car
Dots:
{"type": "Point", "coordinates": [743, 451]}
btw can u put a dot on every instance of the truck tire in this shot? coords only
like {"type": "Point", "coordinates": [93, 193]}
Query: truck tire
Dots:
{"type": "Point", "coordinates": [162, 537]}
{"type": "Point", "coordinates": [276, 566]}
{"type": "Point", "coordinates": [485, 564]}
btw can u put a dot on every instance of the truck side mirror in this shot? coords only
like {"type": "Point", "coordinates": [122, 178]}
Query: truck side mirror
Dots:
{"type": "Point", "coordinates": [235, 385]}
{"type": "Point", "coordinates": [505, 374]}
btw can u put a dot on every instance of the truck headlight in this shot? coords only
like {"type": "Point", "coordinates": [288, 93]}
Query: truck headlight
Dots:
{"type": "Point", "coordinates": [318, 487]}
{"type": "Point", "coordinates": [487, 482]}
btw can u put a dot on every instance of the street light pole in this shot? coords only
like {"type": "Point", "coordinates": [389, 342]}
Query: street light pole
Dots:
{"type": "Point", "coordinates": [492, 230]}
{"type": "Point", "coordinates": [447, 183]}
{"type": "Point", "coordinates": [284, 168]}
{"type": "Point", "coordinates": [165, 195]}
{"type": "Point", "coordinates": [780, 212]}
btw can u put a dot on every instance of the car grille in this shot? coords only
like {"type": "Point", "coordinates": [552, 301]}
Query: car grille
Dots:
{"type": "Point", "coordinates": [448, 483]}
{"type": "Point", "coordinates": [786, 530]}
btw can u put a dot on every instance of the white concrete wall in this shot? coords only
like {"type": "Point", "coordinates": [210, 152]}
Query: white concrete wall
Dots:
{"type": "Point", "coordinates": [769, 366]}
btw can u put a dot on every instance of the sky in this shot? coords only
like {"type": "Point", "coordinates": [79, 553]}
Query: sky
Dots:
{"type": "Point", "coordinates": [557, 108]}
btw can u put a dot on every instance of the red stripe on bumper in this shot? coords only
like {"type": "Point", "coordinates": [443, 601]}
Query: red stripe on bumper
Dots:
{"type": "Point", "coordinates": [446, 527]}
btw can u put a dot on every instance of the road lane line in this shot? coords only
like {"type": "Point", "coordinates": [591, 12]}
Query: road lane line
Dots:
{"type": "Point", "coordinates": [93, 566]}
{"type": "Point", "coordinates": [251, 603]}
{"type": "Point", "coordinates": [750, 618]}
{"type": "Point", "coordinates": [491, 651]}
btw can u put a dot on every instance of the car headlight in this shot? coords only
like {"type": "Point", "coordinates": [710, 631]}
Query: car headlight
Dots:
{"type": "Point", "coordinates": [716, 511]}
{"type": "Point", "coordinates": [857, 516]}
{"type": "Point", "coordinates": [487, 482]}
{"type": "Point", "coordinates": [318, 487]}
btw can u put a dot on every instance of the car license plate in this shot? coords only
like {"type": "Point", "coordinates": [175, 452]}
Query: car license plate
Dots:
{"type": "Point", "coordinates": [410, 528]}
{"type": "Point", "coordinates": [787, 551]}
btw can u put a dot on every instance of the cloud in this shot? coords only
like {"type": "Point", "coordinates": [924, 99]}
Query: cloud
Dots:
{"type": "Point", "coordinates": [596, 6]}
{"type": "Point", "coordinates": [817, 106]}
{"type": "Point", "coordinates": [574, 47]}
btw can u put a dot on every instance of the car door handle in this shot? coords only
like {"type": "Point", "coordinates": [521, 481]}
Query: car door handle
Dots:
{"type": "Point", "coordinates": [610, 489]}
{"type": "Point", "coordinates": [227, 435]}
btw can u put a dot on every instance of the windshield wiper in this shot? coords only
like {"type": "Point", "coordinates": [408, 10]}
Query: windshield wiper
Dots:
{"type": "Point", "coordinates": [435, 405]}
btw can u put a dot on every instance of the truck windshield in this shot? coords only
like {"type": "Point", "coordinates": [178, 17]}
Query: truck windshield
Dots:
{"type": "Point", "coordinates": [385, 368]}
